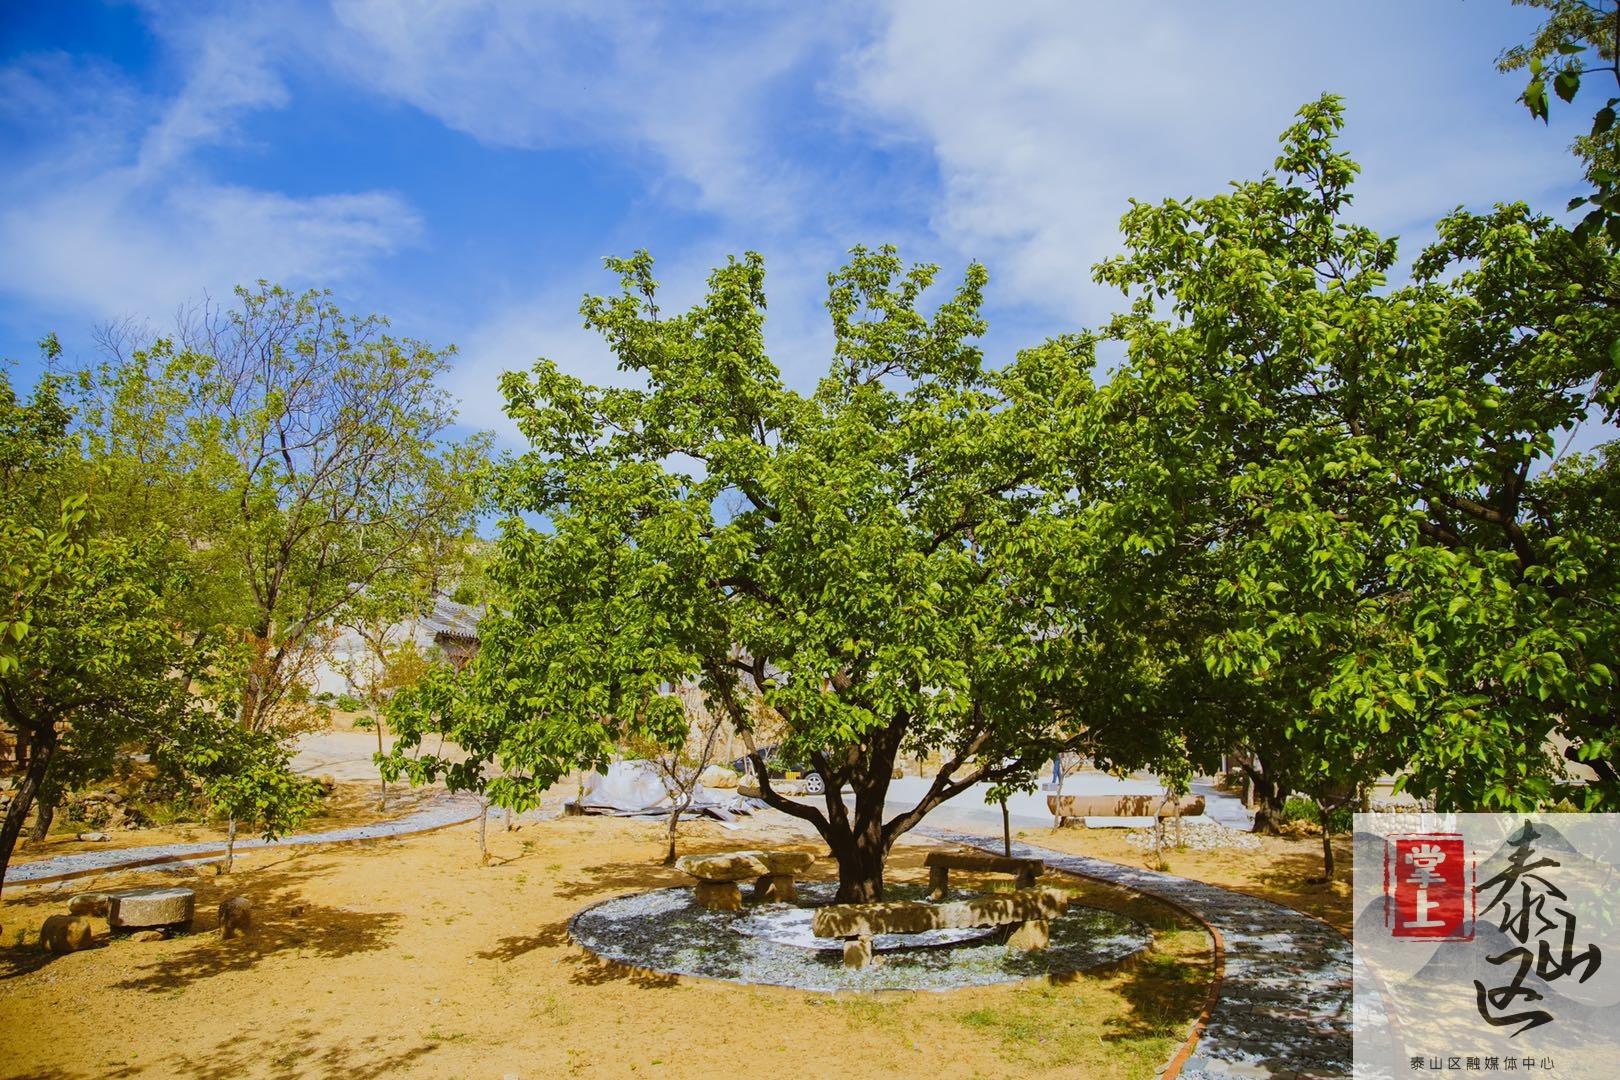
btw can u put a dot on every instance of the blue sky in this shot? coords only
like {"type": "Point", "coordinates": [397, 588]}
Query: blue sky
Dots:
{"type": "Point", "coordinates": [464, 167]}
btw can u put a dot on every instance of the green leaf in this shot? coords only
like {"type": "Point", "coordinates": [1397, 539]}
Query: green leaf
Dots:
{"type": "Point", "coordinates": [1566, 83]}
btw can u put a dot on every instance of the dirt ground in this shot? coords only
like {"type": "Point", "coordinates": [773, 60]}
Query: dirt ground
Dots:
{"type": "Point", "coordinates": [1280, 870]}
{"type": "Point", "coordinates": [405, 958]}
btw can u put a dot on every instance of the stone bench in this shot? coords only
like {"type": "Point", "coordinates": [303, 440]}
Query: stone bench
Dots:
{"type": "Point", "coordinates": [1027, 913]}
{"type": "Point", "coordinates": [150, 909]}
{"type": "Point", "coordinates": [772, 873]}
{"type": "Point", "coordinates": [941, 863]}
{"type": "Point", "coordinates": [1084, 806]}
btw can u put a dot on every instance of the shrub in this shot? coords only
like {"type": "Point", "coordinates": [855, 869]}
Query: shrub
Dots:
{"type": "Point", "coordinates": [1298, 808]}
{"type": "Point", "coordinates": [349, 703]}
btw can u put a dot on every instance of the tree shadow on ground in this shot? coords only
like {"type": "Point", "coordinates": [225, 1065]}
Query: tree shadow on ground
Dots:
{"type": "Point", "coordinates": [508, 949]}
{"type": "Point", "coordinates": [281, 1056]}
{"type": "Point", "coordinates": [283, 919]}
{"type": "Point", "coordinates": [1164, 992]}
{"type": "Point", "coordinates": [588, 968]}
{"type": "Point", "coordinates": [1287, 882]}
{"type": "Point", "coordinates": [29, 958]}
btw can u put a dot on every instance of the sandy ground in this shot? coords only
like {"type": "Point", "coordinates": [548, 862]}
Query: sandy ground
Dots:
{"type": "Point", "coordinates": [405, 958]}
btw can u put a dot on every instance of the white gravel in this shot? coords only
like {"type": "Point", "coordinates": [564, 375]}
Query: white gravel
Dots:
{"type": "Point", "coordinates": [666, 930]}
{"type": "Point", "coordinates": [1203, 837]}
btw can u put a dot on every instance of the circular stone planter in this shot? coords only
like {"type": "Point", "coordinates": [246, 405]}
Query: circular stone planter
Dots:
{"type": "Point", "coordinates": [667, 930]}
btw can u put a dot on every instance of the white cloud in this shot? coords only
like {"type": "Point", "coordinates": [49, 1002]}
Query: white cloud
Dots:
{"type": "Point", "coordinates": [107, 213]}
{"type": "Point", "coordinates": [112, 246]}
{"type": "Point", "coordinates": [1045, 118]}
{"type": "Point", "coordinates": [692, 88]}
{"type": "Point", "coordinates": [512, 338]}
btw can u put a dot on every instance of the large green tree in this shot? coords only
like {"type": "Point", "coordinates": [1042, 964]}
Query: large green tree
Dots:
{"type": "Point", "coordinates": [1363, 544]}
{"type": "Point", "coordinates": [866, 562]}
{"type": "Point", "coordinates": [90, 663]}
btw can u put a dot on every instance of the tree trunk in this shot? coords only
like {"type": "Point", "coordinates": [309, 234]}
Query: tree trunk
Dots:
{"type": "Point", "coordinates": [860, 858]}
{"type": "Point", "coordinates": [1057, 815]}
{"type": "Point", "coordinates": [230, 846]}
{"type": "Point", "coordinates": [483, 834]}
{"type": "Point", "coordinates": [44, 814]}
{"type": "Point", "coordinates": [1268, 803]}
{"type": "Point", "coordinates": [1327, 850]}
{"type": "Point", "coordinates": [674, 822]}
{"type": "Point", "coordinates": [382, 800]}
{"type": "Point", "coordinates": [22, 796]}
{"type": "Point", "coordinates": [1006, 831]}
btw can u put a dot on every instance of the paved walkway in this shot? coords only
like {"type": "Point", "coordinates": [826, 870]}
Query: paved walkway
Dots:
{"type": "Point", "coordinates": [435, 813]}
{"type": "Point", "coordinates": [1284, 999]}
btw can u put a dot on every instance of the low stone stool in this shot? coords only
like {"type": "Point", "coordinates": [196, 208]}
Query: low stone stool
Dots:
{"type": "Point", "coordinates": [718, 876]}
{"type": "Point", "coordinates": [858, 952]}
{"type": "Point", "coordinates": [235, 917]}
{"type": "Point", "coordinates": [143, 909]}
{"type": "Point", "coordinates": [775, 888]}
{"type": "Point", "coordinates": [1032, 936]}
{"type": "Point", "coordinates": [89, 903]}
{"type": "Point", "coordinates": [65, 934]}
{"type": "Point", "coordinates": [783, 866]}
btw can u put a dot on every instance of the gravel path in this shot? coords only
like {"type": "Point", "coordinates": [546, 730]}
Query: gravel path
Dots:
{"type": "Point", "coordinates": [435, 813]}
{"type": "Point", "coordinates": [1283, 1008]}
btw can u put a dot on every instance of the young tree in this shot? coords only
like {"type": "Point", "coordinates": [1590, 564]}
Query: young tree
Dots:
{"type": "Point", "coordinates": [89, 661]}
{"type": "Point", "coordinates": [246, 776]}
{"type": "Point", "coordinates": [681, 766]}
{"type": "Point", "coordinates": [443, 705]}
{"type": "Point", "coordinates": [386, 661]}
{"type": "Point", "coordinates": [313, 450]}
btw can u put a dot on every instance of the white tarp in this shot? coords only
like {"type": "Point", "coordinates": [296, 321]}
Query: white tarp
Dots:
{"type": "Point", "coordinates": [637, 787]}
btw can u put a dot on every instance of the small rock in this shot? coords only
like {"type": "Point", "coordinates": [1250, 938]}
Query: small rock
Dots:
{"type": "Point", "coordinates": [296, 910]}
{"type": "Point", "coordinates": [93, 837]}
{"type": "Point", "coordinates": [718, 776]}
{"type": "Point", "coordinates": [65, 934]}
{"type": "Point", "coordinates": [90, 903]}
{"type": "Point", "coordinates": [235, 917]}
{"type": "Point", "coordinates": [148, 935]}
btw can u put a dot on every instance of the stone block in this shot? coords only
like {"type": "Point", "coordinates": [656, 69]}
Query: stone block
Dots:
{"type": "Point", "coordinates": [719, 895]}
{"type": "Point", "coordinates": [913, 917]}
{"type": "Point", "coordinates": [138, 909]}
{"type": "Point", "coordinates": [65, 934]}
{"type": "Point", "coordinates": [858, 952]}
{"type": "Point", "coordinates": [785, 862]}
{"type": "Point", "coordinates": [235, 917]}
{"type": "Point", "coordinates": [89, 903]}
{"type": "Point", "coordinates": [1032, 936]}
{"type": "Point", "coordinates": [736, 866]}
{"type": "Point", "coordinates": [775, 888]}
